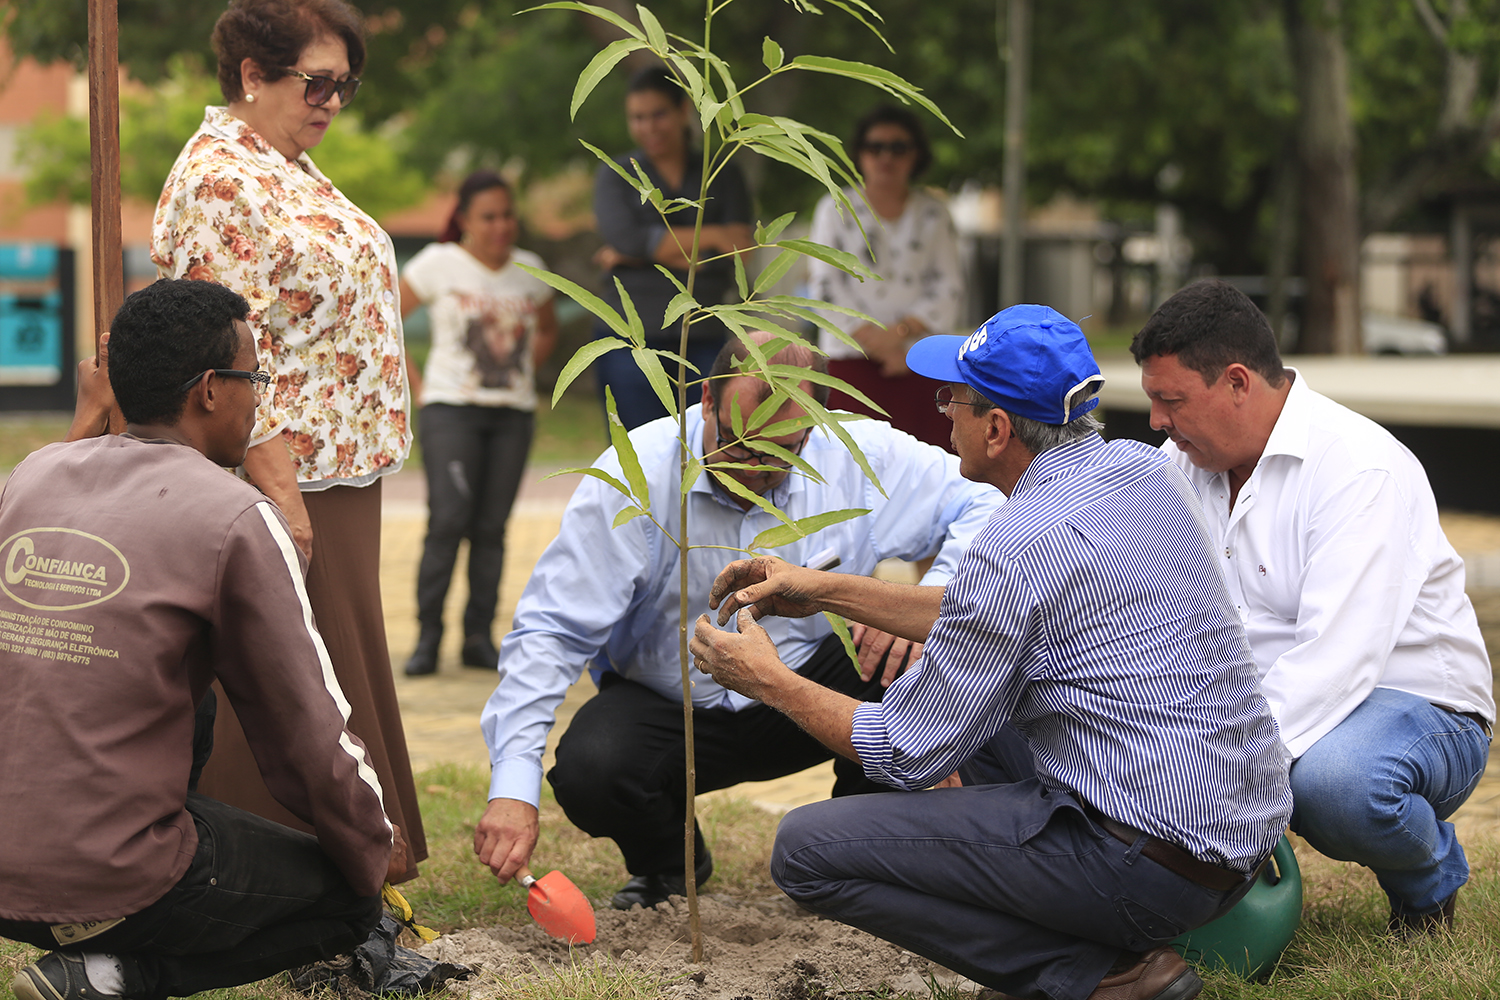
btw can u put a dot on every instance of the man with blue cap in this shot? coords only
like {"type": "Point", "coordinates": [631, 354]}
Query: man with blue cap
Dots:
{"type": "Point", "coordinates": [1086, 766]}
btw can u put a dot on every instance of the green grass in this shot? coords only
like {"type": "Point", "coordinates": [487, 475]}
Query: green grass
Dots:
{"type": "Point", "coordinates": [23, 433]}
{"type": "Point", "coordinates": [1340, 952]}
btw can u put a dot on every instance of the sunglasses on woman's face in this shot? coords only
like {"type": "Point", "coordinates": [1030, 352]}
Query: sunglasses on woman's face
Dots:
{"type": "Point", "coordinates": [320, 89]}
{"type": "Point", "coordinates": [897, 148]}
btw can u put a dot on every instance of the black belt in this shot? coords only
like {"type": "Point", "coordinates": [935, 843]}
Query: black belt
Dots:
{"type": "Point", "coordinates": [1484, 725]}
{"type": "Point", "coordinates": [1171, 857]}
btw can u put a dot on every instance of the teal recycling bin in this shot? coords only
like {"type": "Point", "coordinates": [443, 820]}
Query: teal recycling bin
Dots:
{"type": "Point", "coordinates": [1251, 937]}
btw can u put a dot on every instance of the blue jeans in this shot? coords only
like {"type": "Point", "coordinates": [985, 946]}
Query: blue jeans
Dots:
{"type": "Point", "coordinates": [1000, 880]}
{"type": "Point", "coordinates": [1377, 789]}
{"type": "Point", "coordinates": [257, 898]}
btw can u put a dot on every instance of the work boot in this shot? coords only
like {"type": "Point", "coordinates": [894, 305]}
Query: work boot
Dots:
{"type": "Point", "coordinates": [424, 659]}
{"type": "Point", "coordinates": [1159, 974]}
{"type": "Point", "coordinates": [1404, 926]}
{"type": "Point", "coordinates": [648, 890]}
{"type": "Point", "coordinates": [63, 976]}
{"type": "Point", "coordinates": [479, 651]}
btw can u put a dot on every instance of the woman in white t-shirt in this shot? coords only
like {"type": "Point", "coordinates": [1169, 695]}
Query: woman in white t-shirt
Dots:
{"type": "Point", "coordinates": [492, 323]}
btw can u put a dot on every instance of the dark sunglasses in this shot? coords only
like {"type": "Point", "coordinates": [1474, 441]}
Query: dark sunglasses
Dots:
{"type": "Point", "coordinates": [261, 380]}
{"type": "Point", "coordinates": [320, 89]}
{"type": "Point", "coordinates": [898, 148]}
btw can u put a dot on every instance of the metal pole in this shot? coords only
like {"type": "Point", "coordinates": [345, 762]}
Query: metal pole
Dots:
{"type": "Point", "coordinates": [1017, 73]}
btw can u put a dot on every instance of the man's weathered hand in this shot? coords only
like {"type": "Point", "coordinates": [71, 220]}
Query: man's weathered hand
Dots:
{"type": "Point", "coordinates": [743, 661]}
{"type": "Point", "coordinates": [873, 645]}
{"type": "Point", "coordinates": [767, 587]}
{"type": "Point", "coordinates": [505, 836]}
{"type": "Point", "coordinates": [96, 399]}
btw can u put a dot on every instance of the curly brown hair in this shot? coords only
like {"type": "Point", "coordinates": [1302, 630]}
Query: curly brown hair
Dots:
{"type": "Point", "coordinates": [274, 33]}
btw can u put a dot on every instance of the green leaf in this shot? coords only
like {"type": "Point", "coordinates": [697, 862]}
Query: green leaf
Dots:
{"type": "Point", "coordinates": [637, 180]}
{"type": "Point", "coordinates": [835, 424]}
{"type": "Point", "coordinates": [629, 514]}
{"type": "Point", "coordinates": [841, 629]}
{"type": "Point", "coordinates": [635, 330]}
{"type": "Point", "coordinates": [832, 381]}
{"type": "Point", "coordinates": [630, 463]}
{"type": "Point", "coordinates": [580, 361]}
{"type": "Point", "coordinates": [734, 486]}
{"type": "Point", "coordinates": [768, 234]}
{"type": "Point", "coordinates": [739, 277]}
{"type": "Point", "coordinates": [691, 473]}
{"type": "Point", "coordinates": [771, 54]}
{"type": "Point", "coordinates": [883, 79]}
{"type": "Point", "coordinates": [857, 9]}
{"type": "Point", "coordinates": [602, 13]}
{"type": "Point", "coordinates": [784, 534]}
{"type": "Point", "coordinates": [601, 475]}
{"type": "Point", "coordinates": [598, 68]}
{"type": "Point", "coordinates": [691, 78]}
{"type": "Point", "coordinates": [841, 259]}
{"type": "Point", "coordinates": [654, 34]}
{"type": "Point", "coordinates": [776, 270]}
{"type": "Point", "coordinates": [681, 303]}
{"type": "Point", "coordinates": [582, 296]}
{"type": "Point", "coordinates": [657, 376]}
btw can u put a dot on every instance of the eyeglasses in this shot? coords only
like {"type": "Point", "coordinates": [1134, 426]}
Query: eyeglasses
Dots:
{"type": "Point", "coordinates": [944, 399]}
{"type": "Point", "coordinates": [320, 89]}
{"type": "Point", "coordinates": [260, 380]}
{"type": "Point", "coordinates": [739, 453]}
{"type": "Point", "coordinates": [897, 148]}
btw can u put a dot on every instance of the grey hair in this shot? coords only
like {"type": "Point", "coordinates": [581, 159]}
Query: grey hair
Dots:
{"type": "Point", "coordinates": [1036, 436]}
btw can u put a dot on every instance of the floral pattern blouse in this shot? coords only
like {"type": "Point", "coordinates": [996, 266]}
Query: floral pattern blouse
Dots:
{"type": "Point", "coordinates": [320, 277]}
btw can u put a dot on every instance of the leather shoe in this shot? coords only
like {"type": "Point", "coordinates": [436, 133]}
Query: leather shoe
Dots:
{"type": "Point", "coordinates": [1405, 926]}
{"type": "Point", "coordinates": [1161, 974]}
{"type": "Point", "coordinates": [424, 659]}
{"type": "Point", "coordinates": [648, 890]}
{"type": "Point", "coordinates": [480, 652]}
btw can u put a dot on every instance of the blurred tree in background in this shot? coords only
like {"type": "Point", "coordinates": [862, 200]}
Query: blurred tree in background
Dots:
{"type": "Point", "coordinates": [1132, 103]}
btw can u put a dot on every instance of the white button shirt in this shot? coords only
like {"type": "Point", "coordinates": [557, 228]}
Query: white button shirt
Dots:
{"type": "Point", "coordinates": [1341, 572]}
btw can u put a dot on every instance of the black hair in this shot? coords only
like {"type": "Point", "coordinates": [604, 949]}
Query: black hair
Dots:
{"type": "Point", "coordinates": [890, 114]}
{"type": "Point", "coordinates": [475, 183]}
{"type": "Point", "coordinates": [1210, 325]}
{"type": "Point", "coordinates": [799, 354]}
{"type": "Point", "coordinates": [275, 32]}
{"type": "Point", "coordinates": [165, 334]}
{"type": "Point", "coordinates": [659, 79]}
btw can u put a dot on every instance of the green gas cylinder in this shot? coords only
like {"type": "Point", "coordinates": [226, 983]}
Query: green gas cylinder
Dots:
{"type": "Point", "coordinates": [1251, 937]}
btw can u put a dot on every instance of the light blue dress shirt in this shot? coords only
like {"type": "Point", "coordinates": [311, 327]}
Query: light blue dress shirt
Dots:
{"type": "Point", "coordinates": [609, 596]}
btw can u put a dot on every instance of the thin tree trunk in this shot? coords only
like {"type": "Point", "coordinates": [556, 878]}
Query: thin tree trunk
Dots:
{"type": "Point", "coordinates": [1329, 186]}
{"type": "Point", "coordinates": [104, 156]}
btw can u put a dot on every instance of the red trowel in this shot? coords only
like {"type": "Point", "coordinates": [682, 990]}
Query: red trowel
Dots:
{"type": "Point", "coordinates": [559, 907]}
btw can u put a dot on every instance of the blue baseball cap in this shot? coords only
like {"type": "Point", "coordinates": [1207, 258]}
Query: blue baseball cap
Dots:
{"type": "Point", "coordinates": [1029, 360]}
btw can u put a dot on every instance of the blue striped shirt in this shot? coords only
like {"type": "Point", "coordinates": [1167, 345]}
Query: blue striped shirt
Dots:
{"type": "Point", "coordinates": [1089, 614]}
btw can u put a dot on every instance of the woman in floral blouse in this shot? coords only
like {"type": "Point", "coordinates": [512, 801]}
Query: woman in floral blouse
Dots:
{"type": "Point", "coordinates": [244, 206]}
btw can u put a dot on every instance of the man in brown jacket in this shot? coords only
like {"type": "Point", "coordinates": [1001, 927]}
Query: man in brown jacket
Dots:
{"type": "Point", "coordinates": [133, 571]}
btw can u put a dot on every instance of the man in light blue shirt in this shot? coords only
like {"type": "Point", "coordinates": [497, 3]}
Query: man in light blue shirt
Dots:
{"type": "Point", "coordinates": [609, 597]}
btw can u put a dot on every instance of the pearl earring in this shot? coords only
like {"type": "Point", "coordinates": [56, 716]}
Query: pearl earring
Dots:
{"type": "Point", "coordinates": [250, 98]}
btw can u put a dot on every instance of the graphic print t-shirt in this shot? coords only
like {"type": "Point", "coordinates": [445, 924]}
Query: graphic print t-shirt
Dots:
{"type": "Point", "coordinates": [483, 326]}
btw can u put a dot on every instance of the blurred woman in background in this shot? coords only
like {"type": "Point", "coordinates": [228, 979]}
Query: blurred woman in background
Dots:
{"type": "Point", "coordinates": [914, 248]}
{"type": "Point", "coordinates": [492, 324]}
{"type": "Point", "coordinates": [246, 207]}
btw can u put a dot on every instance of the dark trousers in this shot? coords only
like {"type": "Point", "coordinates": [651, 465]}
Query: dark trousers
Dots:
{"type": "Point", "coordinates": [474, 457]}
{"type": "Point", "coordinates": [635, 401]}
{"type": "Point", "coordinates": [258, 898]}
{"type": "Point", "coordinates": [1000, 880]}
{"type": "Point", "coordinates": [620, 771]}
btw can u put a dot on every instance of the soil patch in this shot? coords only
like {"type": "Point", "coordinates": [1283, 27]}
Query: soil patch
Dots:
{"type": "Point", "coordinates": [769, 949]}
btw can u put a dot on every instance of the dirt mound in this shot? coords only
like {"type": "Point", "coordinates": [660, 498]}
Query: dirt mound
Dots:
{"type": "Point", "coordinates": [758, 950]}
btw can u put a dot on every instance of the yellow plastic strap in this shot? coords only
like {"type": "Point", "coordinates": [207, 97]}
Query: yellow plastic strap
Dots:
{"type": "Point", "coordinates": [403, 912]}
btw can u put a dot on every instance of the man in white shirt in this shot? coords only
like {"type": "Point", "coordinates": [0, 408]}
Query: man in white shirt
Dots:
{"type": "Point", "coordinates": [1368, 648]}
{"type": "Point", "coordinates": [607, 596]}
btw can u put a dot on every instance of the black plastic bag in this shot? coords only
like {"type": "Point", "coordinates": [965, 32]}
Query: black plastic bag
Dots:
{"type": "Point", "coordinates": [380, 967]}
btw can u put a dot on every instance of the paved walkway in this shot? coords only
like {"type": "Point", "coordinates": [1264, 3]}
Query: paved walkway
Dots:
{"type": "Point", "coordinates": [441, 712]}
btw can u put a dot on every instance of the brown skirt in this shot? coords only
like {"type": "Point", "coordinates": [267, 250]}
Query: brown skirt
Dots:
{"type": "Point", "coordinates": [343, 584]}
